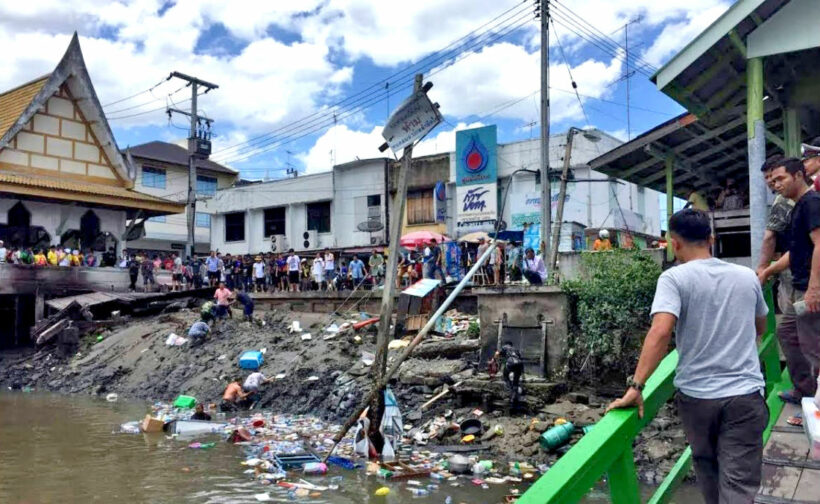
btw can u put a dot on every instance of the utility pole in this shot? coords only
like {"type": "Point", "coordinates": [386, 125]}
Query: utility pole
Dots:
{"type": "Point", "coordinates": [628, 115]}
{"type": "Point", "coordinates": [562, 194]}
{"type": "Point", "coordinates": [546, 193]}
{"type": "Point", "coordinates": [199, 146]}
{"type": "Point", "coordinates": [390, 274]}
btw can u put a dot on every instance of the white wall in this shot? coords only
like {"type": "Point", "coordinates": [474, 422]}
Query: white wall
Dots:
{"type": "Point", "coordinates": [51, 215]}
{"type": "Point", "coordinates": [346, 187]}
{"type": "Point", "coordinates": [159, 235]}
{"type": "Point", "coordinates": [590, 203]}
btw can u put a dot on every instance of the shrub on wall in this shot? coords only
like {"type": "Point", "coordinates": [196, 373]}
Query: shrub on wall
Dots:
{"type": "Point", "coordinates": [609, 317]}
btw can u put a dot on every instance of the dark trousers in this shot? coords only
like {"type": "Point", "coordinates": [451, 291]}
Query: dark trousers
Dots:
{"type": "Point", "coordinates": [133, 284]}
{"type": "Point", "coordinates": [800, 340]}
{"type": "Point", "coordinates": [512, 377]}
{"type": "Point", "coordinates": [726, 437]}
{"type": "Point", "coordinates": [533, 277]}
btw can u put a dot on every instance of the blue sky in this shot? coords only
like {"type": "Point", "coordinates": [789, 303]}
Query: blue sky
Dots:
{"type": "Point", "coordinates": [282, 68]}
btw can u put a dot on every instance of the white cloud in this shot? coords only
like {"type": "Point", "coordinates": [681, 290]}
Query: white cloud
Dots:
{"type": "Point", "coordinates": [341, 144]}
{"type": "Point", "coordinates": [675, 36]}
{"type": "Point", "coordinates": [503, 73]}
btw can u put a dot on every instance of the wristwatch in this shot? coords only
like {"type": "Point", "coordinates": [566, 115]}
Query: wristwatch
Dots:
{"type": "Point", "coordinates": [631, 383]}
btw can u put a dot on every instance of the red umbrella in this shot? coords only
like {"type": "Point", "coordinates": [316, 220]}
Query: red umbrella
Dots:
{"type": "Point", "coordinates": [416, 238]}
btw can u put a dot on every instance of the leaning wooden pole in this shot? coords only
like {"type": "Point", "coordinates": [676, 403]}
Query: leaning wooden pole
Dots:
{"type": "Point", "coordinates": [407, 351]}
{"type": "Point", "coordinates": [389, 291]}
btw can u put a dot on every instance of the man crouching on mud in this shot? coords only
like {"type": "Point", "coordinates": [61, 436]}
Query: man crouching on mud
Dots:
{"type": "Point", "coordinates": [716, 310]}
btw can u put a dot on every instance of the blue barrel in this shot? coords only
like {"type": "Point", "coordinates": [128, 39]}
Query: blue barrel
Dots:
{"type": "Point", "coordinates": [557, 436]}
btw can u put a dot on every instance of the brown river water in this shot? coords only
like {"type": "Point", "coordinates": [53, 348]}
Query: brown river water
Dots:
{"type": "Point", "coordinates": [68, 449]}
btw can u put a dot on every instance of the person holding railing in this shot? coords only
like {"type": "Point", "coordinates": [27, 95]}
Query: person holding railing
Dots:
{"type": "Point", "coordinates": [716, 310]}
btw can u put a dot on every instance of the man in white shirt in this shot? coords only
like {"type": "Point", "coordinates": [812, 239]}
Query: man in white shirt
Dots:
{"type": "Point", "coordinates": [3, 252]}
{"type": "Point", "coordinates": [330, 268]}
{"type": "Point", "coordinates": [534, 270]}
{"type": "Point", "coordinates": [294, 264]}
{"type": "Point", "coordinates": [259, 274]}
{"type": "Point", "coordinates": [252, 384]}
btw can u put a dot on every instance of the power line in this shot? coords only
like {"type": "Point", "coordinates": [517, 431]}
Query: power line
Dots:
{"type": "Point", "coordinates": [569, 71]}
{"type": "Point", "coordinates": [135, 94]}
{"type": "Point", "coordinates": [363, 100]}
{"type": "Point", "coordinates": [380, 85]}
{"type": "Point", "coordinates": [312, 126]}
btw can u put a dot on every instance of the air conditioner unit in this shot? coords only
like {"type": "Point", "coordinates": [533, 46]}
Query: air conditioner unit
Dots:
{"type": "Point", "coordinates": [309, 240]}
{"type": "Point", "coordinates": [374, 240]}
{"type": "Point", "coordinates": [279, 243]}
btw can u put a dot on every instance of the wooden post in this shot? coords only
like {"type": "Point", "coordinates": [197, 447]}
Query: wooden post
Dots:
{"type": "Point", "coordinates": [389, 291]}
{"type": "Point", "coordinates": [562, 194]}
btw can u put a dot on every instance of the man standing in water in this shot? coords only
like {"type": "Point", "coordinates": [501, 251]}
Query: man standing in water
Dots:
{"type": "Point", "coordinates": [716, 310]}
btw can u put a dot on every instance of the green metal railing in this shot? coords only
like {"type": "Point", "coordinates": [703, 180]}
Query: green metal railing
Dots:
{"type": "Point", "coordinates": [606, 451]}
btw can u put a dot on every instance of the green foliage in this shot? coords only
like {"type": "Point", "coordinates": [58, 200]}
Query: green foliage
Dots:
{"type": "Point", "coordinates": [473, 330]}
{"type": "Point", "coordinates": [610, 313]}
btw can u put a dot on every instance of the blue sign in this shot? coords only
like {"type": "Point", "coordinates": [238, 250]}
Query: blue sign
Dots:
{"type": "Point", "coordinates": [440, 198]}
{"type": "Point", "coordinates": [476, 161]}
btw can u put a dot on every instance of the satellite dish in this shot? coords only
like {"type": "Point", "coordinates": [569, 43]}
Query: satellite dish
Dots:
{"type": "Point", "coordinates": [370, 226]}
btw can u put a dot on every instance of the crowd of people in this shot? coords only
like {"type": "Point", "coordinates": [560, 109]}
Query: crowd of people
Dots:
{"type": "Point", "coordinates": [57, 257]}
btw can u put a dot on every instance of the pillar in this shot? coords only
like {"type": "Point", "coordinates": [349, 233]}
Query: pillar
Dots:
{"type": "Point", "coordinates": [756, 130]}
{"type": "Point", "coordinates": [670, 202]}
{"type": "Point", "coordinates": [792, 135]}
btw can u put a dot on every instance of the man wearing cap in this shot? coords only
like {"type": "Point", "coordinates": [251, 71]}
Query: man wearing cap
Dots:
{"type": "Point", "coordinates": [811, 162]}
{"type": "Point", "coordinates": [259, 274]}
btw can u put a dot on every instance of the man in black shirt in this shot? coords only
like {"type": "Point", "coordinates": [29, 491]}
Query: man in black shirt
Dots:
{"type": "Point", "coordinates": [803, 258]}
{"type": "Point", "coordinates": [513, 367]}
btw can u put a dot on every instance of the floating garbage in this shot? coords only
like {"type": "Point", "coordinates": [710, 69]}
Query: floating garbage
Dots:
{"type": "Point", "coordinates": [201, 446]}
{"type": "Point", "coordinates": [112, 397]}
{"type": "Point", "coordinates": [381, 492]}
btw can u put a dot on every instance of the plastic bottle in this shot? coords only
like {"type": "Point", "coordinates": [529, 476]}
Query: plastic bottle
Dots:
{"type": "Point", "coordinates": [419, 492]}
{"type": "Point", "coordinates": [448, 500]}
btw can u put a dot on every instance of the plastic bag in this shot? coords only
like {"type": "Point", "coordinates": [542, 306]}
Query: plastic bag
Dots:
{"type": "Point", "coordinates": [392, 426]}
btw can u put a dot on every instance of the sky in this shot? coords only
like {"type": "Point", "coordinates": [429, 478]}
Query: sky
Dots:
{"type": "Point", "coordinates": [308, 84]}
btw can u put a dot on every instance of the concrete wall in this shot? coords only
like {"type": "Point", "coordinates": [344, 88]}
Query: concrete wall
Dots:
{"type": "Point", "coordinates": [569, 263]}
{"type": "Point", "coordinates": [525, 307]}
{"type": "Point", "coordinates": [160, 235]}
{"type": "Point", "coordinates": [346, 187]}
{"type": "Point", "coordinates": [17, 279]}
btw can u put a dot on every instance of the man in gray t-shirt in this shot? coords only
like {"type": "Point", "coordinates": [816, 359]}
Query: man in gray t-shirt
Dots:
{"type": "Point", "coordinates": [716, 311]}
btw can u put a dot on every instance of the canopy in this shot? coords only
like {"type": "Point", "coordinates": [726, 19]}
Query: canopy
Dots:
{"type": "Point", "coordinates": [417, 238]}
{"type": "Point", "coordinates": [474, 237]}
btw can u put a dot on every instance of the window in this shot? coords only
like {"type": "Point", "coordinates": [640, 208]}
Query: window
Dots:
{"type": "Point", "coordinates": [420, 207]}
{"type": "Point", "coordinates": [235, 227]}
{"type": "Point", "coordinates": [274, 223]}
{"type": "Point", "coordinates": [205, 186]}
{"type": "Point", "coordinates": [318, 217]}
{"type": "Point", "coordinates": [374, 200]}
{"type": "Point", "coordinates": [203, 220]}
{"type": "Point", "coordinates": [158, 218]}
{"type": "Point", "coordinates": [153, 177]}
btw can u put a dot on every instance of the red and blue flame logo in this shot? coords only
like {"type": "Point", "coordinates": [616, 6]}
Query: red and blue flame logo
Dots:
{"type": "Point", "coordinates": [475, 156]}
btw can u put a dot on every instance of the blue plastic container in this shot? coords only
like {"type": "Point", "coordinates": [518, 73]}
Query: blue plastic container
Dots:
{"type": "Point", "coordinates": [252, 359]}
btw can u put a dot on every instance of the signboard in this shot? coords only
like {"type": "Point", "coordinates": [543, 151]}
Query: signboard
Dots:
{"type": "Point", "coordinates": [413, 119]}
{"type": "Point", "coordinates": [476, 180]}
{"type": "Point", "coordinates": [440, 200]}
{"type": "Point", "coordinates": [452, 260]}
{"type": "Point", "coordinates": [476, 159]}
{"type": "Point", "coordinates": [525, 216]}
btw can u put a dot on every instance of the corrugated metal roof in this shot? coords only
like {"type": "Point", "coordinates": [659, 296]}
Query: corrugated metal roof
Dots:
{"type": "Point", "coordinates": [174, 154]}
{"type": "Point", "coordinates": [14, 101]}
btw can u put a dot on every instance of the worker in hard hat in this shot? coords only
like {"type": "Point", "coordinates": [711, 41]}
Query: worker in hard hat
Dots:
{"type": "Point", "coordinates": [602, 242]}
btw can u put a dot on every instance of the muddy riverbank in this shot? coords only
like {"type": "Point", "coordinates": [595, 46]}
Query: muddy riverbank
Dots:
{"type": "Point", "coordinates": [326, 378]}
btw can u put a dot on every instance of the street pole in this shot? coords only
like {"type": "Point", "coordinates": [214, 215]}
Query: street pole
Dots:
{"type": "Point", "coordinates": [389, 291]}
{"type": "Point", "coordinates": [193, 139]}
{"type": "Point", "coordinates": [562, 193]}
{"type": "Point", "coordinates": [191, 214]}
{"type": "Point", "coordinates": [546, 193]}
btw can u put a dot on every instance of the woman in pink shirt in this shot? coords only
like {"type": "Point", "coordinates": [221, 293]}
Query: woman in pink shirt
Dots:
{"type": "Point", "coordinates": [223, 301]}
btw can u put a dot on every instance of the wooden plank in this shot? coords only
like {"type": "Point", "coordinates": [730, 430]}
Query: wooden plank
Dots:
{"type": "Point", "coordinates": [780, 481]}
{"type": "Point", "coordinates": [808, 489]}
